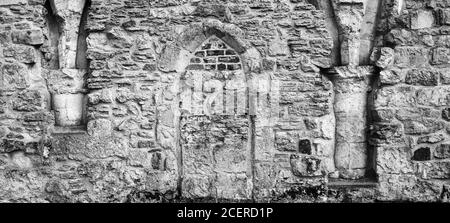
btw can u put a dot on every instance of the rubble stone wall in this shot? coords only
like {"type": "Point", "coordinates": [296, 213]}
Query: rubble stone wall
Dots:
{"type": "Point", "coordinates": [411, 98]}
{"type": "Point", "coordinates": [268, 100]}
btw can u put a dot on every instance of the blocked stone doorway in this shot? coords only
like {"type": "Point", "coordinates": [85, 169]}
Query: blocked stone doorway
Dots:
{"type": "Point", "coordinates": [215, 126]}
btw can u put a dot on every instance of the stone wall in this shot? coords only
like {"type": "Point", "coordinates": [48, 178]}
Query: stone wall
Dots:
{"type": "Point", "coordinates": [411, 100]}
{"type": "Point", "coordinates": [280, 100]}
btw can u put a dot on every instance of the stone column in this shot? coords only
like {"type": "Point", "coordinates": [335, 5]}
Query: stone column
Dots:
{"type": "Point", "coordinates": [349, 15]}
{"type": "Point", "coordinates": [351, 86]}
{"type": "Point", "coordinates": [68, 96]}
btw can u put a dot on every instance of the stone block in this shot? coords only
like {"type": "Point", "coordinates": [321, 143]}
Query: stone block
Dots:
{"type": "Point", "coordinates": [306, 166]}
{"type": "Point", "coordinates": [386, 133]}
{"type": "Point", "coordinates": [233, 186]}
{"type": "Point", "coordinates": [433, 170]}
{"type": "Point", "coordinates": [29, 100]}
{"type": "Point", "coordinates": [442, 151]}
{"type": "Point", "coordinates": [422, 77]}
{"type": "Point", "coordinates": [139, 158]}
{"type": "Point", "coordinates": [286, 141]}
{"type": "Point", "coordinates": [395, 96]}
{"type": "Point", "coordinates": [351, 128]}
{"type": "Point", "coordinates": [278, 48]}
{"type": "Point", "coordinates": [422, 126]}
{"type": "Point", "coordinates": [434, 97]}
{"type": "Point", "coordinates": [351, 155]}
{"type": "Point", "coordinates": [30, 37]}
{"type": "Point", "coordinates": [410, 57]}
{"type": "Point", "coordinates": [12, 2]}
{"type": "Point", "coordinates": [14, 76]}
{"type": "Point", "coordinates": [446, 114]}
{"type": "Point", "coordinates": [69, 109]}
{"type": "Point", "coordinates": [264, 175]}
{"type": "Point", "coordinates": [99, 127]}
{"type": "Point", "coordinates": [445, 76]}
{"type": "Point", "coordinates": [391, 76]}
{"type": "Point", "coordinates": [421, 19]}
{"type": "Point", "coordinates": [413, 113]}
{"type": "Point", "coordinates": [24, 54]}
{"type": "Point", "coordinates": [393, 160]}
{"type": "Point", "coordinates": [440, 56]}
{"type": "Point", "coordinates": [383, 115]}
{"type": "Point", "coordinates": [444, 15]}
{"type": "Point", "coordinates": [198, 186]}
{"type": "Point", "coordinates": [385, 57]}
{"type": "Point", "coordinates": [434, 138]}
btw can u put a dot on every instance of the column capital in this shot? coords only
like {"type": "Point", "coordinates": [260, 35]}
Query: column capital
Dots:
{"type": "Point", "coordinates": [350, 72]}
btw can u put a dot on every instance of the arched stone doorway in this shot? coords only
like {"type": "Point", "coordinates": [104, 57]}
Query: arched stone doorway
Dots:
{"type": "Point", "coordinates": [215, 124]}
{"type": "Point", "coordinates": [211, 131]}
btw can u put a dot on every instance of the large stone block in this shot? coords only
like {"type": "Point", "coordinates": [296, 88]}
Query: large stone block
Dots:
{"type": "Point", "coordinates": [99, 127]}
{"type": "Point", "coordinates": [435, 97]}
{"type": "Point", "coordinates": [286, 141]}
{"type": "Point", "coordinates": [446, 114]}
{"type": "Point", "coordinates": [433, 170]}
{"type": "Point", "coordinates": [351, 128]}
{"type": "Point", "coordinates": [395, 96]}
{"type": "Point", "coordinates": [12, 2]}
{"type": "Point", "coordinates": [444, 15]}
{"type": "Point", "coordinates": [386, 133]}
{"type": "Point", "coordinates": [422, 77]}
{"type": "Point", "coordinates": [69, 109]}
{"type": "Point", "coordinates": [29, 100]}
{"type": "Point", "coordinates": [391, 76]}
{"type": "Point", "coordinates": [442, 151]}
{"type": "Point", "coordinates": [393, 160]}
{"type": "Point", "coordinates": [440, 56]}
{"type": "Point", "coordinates": [414, 113]}
{"type": "Point", "coordinates": [422, 126]}
{"type": "Point", "coordinates": [351, 155]}
{"type": "Point", "coordinates": [433, 138]}
{"type": "Point", "coordinates": [30, 37]}
{"type": "Point", "coordinates": [13, 76]}
{"type": "Point", "coordinates": [384, 57]}
{"type": "Point", "coordinates": [411, 57]}
{"type": "Point", "coordinates": [306, 166]}
{"type": "Point", "coordinates": [24, 54]}
{"type": "Point", "coordinates": [445, 76]}
{"type": "Point", "coordinates": [422, 19]}
{"type": "Point", "coordinates": [233, 186]}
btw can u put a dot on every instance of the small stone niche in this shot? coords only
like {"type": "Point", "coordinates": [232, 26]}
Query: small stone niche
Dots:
{"type": "Point", "coordinates": [422, 154]}
{"type": "Point", "coordinates": [304, 146]}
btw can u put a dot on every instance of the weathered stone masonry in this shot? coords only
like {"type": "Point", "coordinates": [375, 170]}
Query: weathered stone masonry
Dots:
{"type": "Point", "coordinates": [267, 100]}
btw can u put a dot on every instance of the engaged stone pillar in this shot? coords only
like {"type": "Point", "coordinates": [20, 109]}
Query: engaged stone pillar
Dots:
{"type": "Point", "coordinates": [68, 109]}
{"type": "Point", "coordinates": [351, 86]}
{"type": "Point", "coordinates": [68, 96]}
